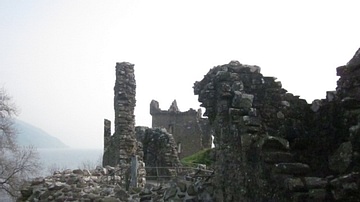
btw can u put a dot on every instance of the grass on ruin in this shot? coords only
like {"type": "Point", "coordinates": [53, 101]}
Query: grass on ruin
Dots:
{"type": "Point", "coordinates": [201, 157]}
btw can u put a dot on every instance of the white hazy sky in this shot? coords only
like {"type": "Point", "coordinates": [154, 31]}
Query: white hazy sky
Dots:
{"type": "Point", "coordinates": [57, 58]}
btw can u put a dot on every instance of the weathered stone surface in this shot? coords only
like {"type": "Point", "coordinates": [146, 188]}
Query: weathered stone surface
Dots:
{"type": "Point", "coordinates": [191, 190]}
{"type": "Point", "coordinates": [323, 139]}
{"type": "Point", "coordinates": [169, 193]}
{"type": "Point", "coordinates": [342, 158]}
{"type": "Point", "coordinates": [241, 104]}
{"type": "Point", "coordinates": [355, 61]}
{"type": "Point", "coordinates": [346, 187]}
{"type": "Point", "coordinates": [278, 157]}
{"type": "Point", "coordinates": [191, 132]}
{"type": "Point", "coordinates": [124, 104]}
{"type": "Point", "coordinates": [174, 107]}
{"type": "Point", "coordinates": [317, 194]}
{"type": "Point", "coordinates": [122, 148]}
{"type": "Point", "coordinates": [295, 184]}
{"type": "Point", "coordinates": [316, 182]}
{"type": "Point", "coordinates": [182, 186]}
{"type": "Point", "coordinates": [292, 168]}
{"type": "Point", "coordinates": [160, 150]}
{"type": "Point", "coordinates": [103, 185]}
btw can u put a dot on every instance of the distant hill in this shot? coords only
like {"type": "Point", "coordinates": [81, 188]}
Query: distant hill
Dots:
{"type": "Point", "coordinates": [32, 135]}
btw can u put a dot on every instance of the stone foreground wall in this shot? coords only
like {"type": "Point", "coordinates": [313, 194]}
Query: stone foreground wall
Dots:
{"type": "Point", "coordinates": [103, 185]}
{"type": "Point", "coordinates": [100, 184]}
{"type": "Point", "coordinates": [271, 144]}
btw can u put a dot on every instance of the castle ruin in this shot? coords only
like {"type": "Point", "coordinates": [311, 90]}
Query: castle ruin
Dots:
{"type": "Point", "coordinates": [191, 132]}
{"type": "Point", "coordinates": [272, 145]}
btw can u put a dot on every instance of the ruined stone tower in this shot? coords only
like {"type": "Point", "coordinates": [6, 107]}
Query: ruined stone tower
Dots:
{"type": "Point", "coordinates": [122, 149]}
{"type": "Point", "coordinates": [122, 146]}
{"type": "Point", "coordinates": [191, 132]}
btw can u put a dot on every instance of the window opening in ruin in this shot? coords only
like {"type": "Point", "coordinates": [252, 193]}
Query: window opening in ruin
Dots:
{"type": "Point", "coordinates": [212, 141]}
{"type": "Point", "coordinates": [179, 147]}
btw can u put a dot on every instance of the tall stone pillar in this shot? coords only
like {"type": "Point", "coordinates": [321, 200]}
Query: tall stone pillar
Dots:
{"type": "Point", "coordinates": [122, 148]}
{"type": "Point", "coordinates": [122, 145]}
{"type": "Point", "coordinates": [124, 105]}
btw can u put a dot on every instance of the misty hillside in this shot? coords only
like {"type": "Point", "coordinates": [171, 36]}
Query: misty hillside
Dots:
{"type": "Point", "coordinates": [32, 135]}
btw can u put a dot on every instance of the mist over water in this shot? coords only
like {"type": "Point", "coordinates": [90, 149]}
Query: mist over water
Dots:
{"type": "Point", "coordinates": [52, 159]}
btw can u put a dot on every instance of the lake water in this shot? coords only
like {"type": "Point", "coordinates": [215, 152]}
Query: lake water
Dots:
{"type": "Point", "coordinates": [52, 159]}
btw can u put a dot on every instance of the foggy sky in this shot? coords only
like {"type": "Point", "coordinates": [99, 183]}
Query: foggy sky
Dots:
{"type": "Point", "coordinates": [57, 58]}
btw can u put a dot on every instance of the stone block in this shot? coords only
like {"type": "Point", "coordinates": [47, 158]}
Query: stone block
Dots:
{"type": "Point", "coordinates": [191, 190]}
{"type": "Point", "coordinates": [222, 76]}
{"type": "Point", "coordinates": [339, 181]}
{"type": "Point", "coordinates": [316, 182]}
{"type": "Point", "coordinates": [317, 194]}
{"type": "Point", "coordinates": [342, 157]}
{"type": "Point", "coordinates": [291, 168]}
{"type": "Point", "coordinates": [26, 192]}
{"type": "Point", "coordinates": [277, 157]}
{"type": "Point", "coordinates": [222, 107]}
{"type": "Point", "coordinates": [280, 115]}
{"type": "Point", "coordinates": [237, 86]}
{"type": "Point", "coordinates": [225, 90]}
{"type": "Point", "coordinates": [234, 77]}
{"type": "Point", "coordinates": [255, 69]}
{"type": "Point", "coordinates": [344, 186]}
{"type": "Point", "coordinates": [295, 184]}
{"type": "Point", "coordinates": [182, 186]}
{"type": "Point", "coordinates": [350, 103]}
{"type": "Point", "coordinates": [239, 69]}
{"type": "Point", "coordinates": [122, 195]}
{"type": "Point", "coordinates": [252, 129]}
{"type": "Point", "coordinates": [271, 143]}
{"type": "Point", "coordinates": [37, 181]}
{"type": "Point", "coordinates": [236, 114]}
{"type": "Point", "coordinates": [342, 70]}
{"type": "Point", "coordinates": [300, 197]}
{"type": "Point", "coordinates": [285, 103]}
{"type": "Point", "coordinates": [330, 95]}
{"type": "Point", "coordinates": [257, 81]}
{"type": "Point", "coordinates": [251, 121]}
{"type": "Point", "coordinates": [78, 172]}
{"type": "Point", "coordinates": [170, 192]}
{"type": "Point", "coordinates": [242, 100]}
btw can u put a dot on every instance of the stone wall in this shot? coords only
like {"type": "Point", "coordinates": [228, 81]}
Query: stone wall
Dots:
{"type": "Point", "coordinates": [191, 132]}
{"type": "Point", "coordinates": [159, 151]}
{"type": "Point", "coordinates": [100, 184]}
{"type": "Point", "coordinates": [103, 185]}
{"type": "Point", "coordinates": [271, 144]}
{"type": "Point", "coordinates": [238, 101]}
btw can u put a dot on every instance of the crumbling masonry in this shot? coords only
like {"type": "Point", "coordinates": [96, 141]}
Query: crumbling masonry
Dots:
{"type": "Point", "coordinates": [191, 132]}
{"type": "Point", "coordinates": [159, 151]}
{"type": "Point", "coordinates": [121, 149]}
{"type": "Point", "coordinates": [271, 145]}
